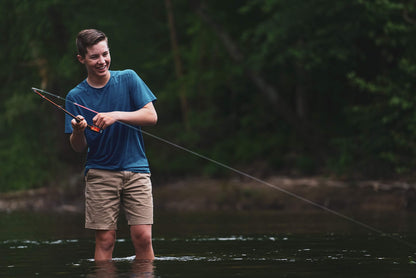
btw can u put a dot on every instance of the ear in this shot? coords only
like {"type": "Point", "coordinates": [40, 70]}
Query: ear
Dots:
{"type": "Point", "coordinates": [81, 59]}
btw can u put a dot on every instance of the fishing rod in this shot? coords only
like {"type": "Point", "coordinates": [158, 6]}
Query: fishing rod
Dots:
{"type": "Point", "coordinates": [91, 127]}
{"type": "Point", "coordinates": [287, 192]}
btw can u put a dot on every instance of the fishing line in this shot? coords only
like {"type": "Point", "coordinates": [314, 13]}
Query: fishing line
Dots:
{"type": "Point", "coordinates": [278, 188]}
{"type": "Point", "coordinates": [294, 195]}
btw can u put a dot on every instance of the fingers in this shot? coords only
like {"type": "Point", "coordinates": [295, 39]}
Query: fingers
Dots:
{"type": "Point", "coordinates": [103, 120]}
{"type": "Point", "coordinates": [79, 124]}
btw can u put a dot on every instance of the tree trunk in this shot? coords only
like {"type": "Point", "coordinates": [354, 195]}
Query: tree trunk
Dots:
{"type": "Point", "coordinates": [178, 62]}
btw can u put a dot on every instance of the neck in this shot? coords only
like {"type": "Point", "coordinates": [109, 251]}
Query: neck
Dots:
{"type": "Point", "coordinates": [98, 81]}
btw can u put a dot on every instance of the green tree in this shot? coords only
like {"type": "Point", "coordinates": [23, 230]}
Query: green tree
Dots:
{"type": "Point", "coordinates": [341, 72]}
{"type": "Point", "coordinates": [268, 85]}
{"type": "Point", "coordinates": [384, 119]}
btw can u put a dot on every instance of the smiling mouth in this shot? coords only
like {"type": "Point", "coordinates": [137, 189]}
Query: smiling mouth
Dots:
{"type": "Point", "coordinates": [102, 68]}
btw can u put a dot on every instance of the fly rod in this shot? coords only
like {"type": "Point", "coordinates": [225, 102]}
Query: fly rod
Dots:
{"type": "Point", "coordinates": [91, 127]}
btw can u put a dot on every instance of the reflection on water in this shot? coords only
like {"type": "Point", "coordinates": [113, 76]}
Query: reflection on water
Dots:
{"type": "Point", "coordinates": [139, 269]}
{"type": "Point", "coordinates": [256, 244]}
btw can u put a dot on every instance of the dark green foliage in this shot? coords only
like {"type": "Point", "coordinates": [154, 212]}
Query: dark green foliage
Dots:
{"type": "Point", "coordinates": [345, 71]}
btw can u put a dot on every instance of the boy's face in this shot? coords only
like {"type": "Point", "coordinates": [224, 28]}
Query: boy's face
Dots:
{"type": "Point", "coordinates": [97, 60]}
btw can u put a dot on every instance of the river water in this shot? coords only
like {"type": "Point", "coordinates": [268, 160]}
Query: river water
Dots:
{"type": "Point", "coordinates": [216, 244]}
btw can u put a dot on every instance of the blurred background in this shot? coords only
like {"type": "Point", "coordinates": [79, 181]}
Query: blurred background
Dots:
{"type": "Point", "coordinates": [271, 87]}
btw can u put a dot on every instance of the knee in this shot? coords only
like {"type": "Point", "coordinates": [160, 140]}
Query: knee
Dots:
{"type": "Point", "coordinates": [105, 240]}
{"type": "Point", "coordinates": [142, 238]}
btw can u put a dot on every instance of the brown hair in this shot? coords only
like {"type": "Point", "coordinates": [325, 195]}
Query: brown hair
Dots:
{"type": "Point", "coordinates": [87, 38]}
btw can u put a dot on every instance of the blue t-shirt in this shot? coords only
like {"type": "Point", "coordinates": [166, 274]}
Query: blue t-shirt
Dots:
{"type": "Point", "coordinates": [118, 147]}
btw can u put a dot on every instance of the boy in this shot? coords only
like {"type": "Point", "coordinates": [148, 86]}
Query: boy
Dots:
{"type": "Point", "coordinates": [117, 171]}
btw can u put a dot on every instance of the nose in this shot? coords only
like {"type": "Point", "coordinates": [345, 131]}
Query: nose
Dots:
{"type": "Point", "coordinates": [101, 60]}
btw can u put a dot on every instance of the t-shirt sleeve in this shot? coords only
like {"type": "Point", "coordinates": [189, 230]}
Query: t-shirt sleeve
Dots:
{"type": "Point", "coordinates": [140, 93]}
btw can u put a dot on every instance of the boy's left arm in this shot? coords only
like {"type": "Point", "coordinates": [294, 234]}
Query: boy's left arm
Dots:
{"type": "Point", "coordinates": [145, 116]}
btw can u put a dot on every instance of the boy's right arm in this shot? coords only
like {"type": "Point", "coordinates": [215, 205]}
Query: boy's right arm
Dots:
{"type": "Point", "coordinates": [77, 139]}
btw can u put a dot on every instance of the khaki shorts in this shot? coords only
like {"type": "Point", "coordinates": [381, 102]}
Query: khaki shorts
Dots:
{"type": "Point", "coordinates": [107, 191]}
